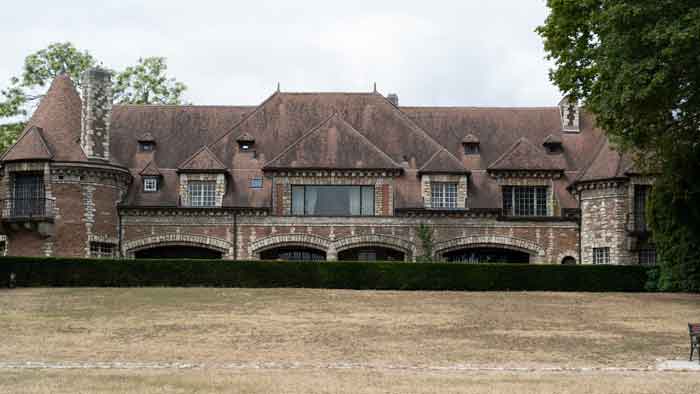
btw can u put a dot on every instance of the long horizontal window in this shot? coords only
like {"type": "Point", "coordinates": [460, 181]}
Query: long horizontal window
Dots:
{"type": "Point", "coordinates": [525, 200]}
{"type": "Point", "coordinates": [333, 200]}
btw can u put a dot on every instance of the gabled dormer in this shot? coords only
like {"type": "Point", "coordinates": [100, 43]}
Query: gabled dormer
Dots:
{"type": "Point", "coordinates": [147, 143]}
{"type": "Point", "coordinates": [444, 182]}
{"type": "Point", "coordinates": [202, 180]}
{"type": "Point", "coordinates": [246, 143]}
{"type": "Point", "coordinates": [471, 144]}
{"type": "Point", "coordinates": [553, 144]}
{"type": "Point", "coordinates": [569, 113]}
{"type": "Point", "coordinates": [151, 178]}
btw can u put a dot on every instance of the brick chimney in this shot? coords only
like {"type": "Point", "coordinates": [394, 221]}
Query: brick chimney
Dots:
{"type": "Point", "coordinates": [394, 98]}
{"type": "Point", "coordinates": [96, 113]}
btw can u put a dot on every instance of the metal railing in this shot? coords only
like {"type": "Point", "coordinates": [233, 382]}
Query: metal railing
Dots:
{"type": "Point", "coordinates": [28, 209]}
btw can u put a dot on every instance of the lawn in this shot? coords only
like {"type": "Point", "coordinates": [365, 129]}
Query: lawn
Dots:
{"type": "Point", "coordinates": [343, 341]}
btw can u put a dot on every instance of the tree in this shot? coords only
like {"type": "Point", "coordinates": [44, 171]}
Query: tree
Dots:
{"type": "Point", "coordinates": [145, 83]}
{"type": "Point", "coordinates": [425, 234]}
{"type": "Point", "coordinates": [635, 64]}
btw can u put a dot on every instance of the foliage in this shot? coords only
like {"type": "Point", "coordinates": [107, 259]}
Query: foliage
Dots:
{"type": "Point", "coordinates": [42, 271]}
{"type": "Point", "coordinates": [425, 234]}
{"type": "Point", "coordinates": [147, 83]}
{"type": "Point", "coordinates": [144, 83]}
{"type": "Point", "coordinates": [635, 65]}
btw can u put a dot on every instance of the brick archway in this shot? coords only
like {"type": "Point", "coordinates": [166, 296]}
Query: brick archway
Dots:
{"type": "Point", "coordinates": [385, 241]}
{"type": "Point", "coordinates": [203, 241]}
{"type": "Point", "coordinates": [489, 241]}
{"type": "Point", "coordinates": [276, 241]}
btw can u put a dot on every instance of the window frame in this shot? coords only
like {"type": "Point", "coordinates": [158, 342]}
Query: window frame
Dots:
{"type": "Point", "coordinates": [199, 196]}
{"type": "Point", "coordinates": [150, 144]}
{"type": "Point", "coordinates": [601, 255]}
{"type": "Point", "coordinates": [641, 199]}
{"type": "Point", "coordinates": [304, 208]}
{"type": "Point", "coordinates": [471, 148]}
{"type": "Point", "coordinates": [447, 199]}
{"type": "Point", "coordinates": [256, 182]}
{"type": "Point", "coordinates": [146, 181]}
{"type": "Point", "coordinates": [103, 250]}
{"type": "Point", "coordinates": [516, 204]}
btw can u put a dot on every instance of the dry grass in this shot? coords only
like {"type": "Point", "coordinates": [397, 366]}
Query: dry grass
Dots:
{"type": "Point", "coordinates": [356, 382]}
{"type": "Point", "coordinates": [313, 327]}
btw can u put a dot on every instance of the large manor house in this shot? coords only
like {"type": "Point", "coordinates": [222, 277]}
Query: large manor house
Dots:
{"type": "Point", "coordinates": [318, 176]}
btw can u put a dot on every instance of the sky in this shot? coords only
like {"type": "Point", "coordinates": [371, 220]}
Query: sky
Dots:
{"type": "Point", "coordinates": [446, 53]}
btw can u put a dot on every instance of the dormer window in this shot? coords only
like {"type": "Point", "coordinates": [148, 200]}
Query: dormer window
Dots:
{"type": "Point", "coordinates": [147, 146]}
{"type": "Point", "coordinates": [146, 142]}
{"type": "Point", "coordinates": [471, 144]}
{"type": "Point", "coordinates": [150, 184]}
{"type": "Point", "coordinates": [246, 142]}
{"type": "Point", "coordinates": [553, 143]}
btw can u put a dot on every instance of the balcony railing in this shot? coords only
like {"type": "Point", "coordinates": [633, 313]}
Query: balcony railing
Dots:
{"type": "Point", "coordinates": [28, 209]}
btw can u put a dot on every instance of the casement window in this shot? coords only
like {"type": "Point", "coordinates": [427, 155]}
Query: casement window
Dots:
{"type": "Point", "coordinates": [3, 248]}
{"type": "Point", "coordinates": [601, 255]}
{"type": "Point", "coordinates": [202, 193]}
{"type": "Point", "coordinates": [150, 184]}
{"type": "Point", "coordinates": [525, 201]}
{"type": "Point", "coordinates": [471, 149]}
{"type": "Point", "coordinates": [443, 195]}
{"type": "Point", "coordinates": [256, 183]}
{"type": "Point", "coordinates": [647, 255]}
{"type": "Point", "coordinates": [103, 250]}
{"type": "Point", "coordinates": [641, 194]}
{"type": "Point", "coordinates": [312, 200]}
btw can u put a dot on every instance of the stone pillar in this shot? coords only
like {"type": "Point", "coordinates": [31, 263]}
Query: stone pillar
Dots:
{"type": "Point", "coordinates": [96, 113]}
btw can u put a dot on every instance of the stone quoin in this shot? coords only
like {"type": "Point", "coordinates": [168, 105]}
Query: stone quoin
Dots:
{"type": "Point", "coordinates": [318, 176]}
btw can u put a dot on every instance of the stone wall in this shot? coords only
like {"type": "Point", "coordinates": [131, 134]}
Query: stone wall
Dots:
{"type": "Point", "coordinates": [604, 210]}
{"type": "Point", "coordinates": [96, 113]}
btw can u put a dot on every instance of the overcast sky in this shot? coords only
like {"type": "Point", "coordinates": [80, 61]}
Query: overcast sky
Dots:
{"type": "Point", "coordinates": [468, 52]}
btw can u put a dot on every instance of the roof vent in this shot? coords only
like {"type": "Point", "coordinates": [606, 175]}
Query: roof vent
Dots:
{"type": "Point", "coordinates": [393, 98]}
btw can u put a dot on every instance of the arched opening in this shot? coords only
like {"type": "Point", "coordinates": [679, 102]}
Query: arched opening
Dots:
{"type": "Point", "coordinates": [487, 255]}
{"type": "Point", "coordinates": [568, 260]}
{"type": "Point", "coordinates": [371, 253]}
{"type": "Point", "coordinates": [177, 252]}
{"type": "Point", "coordinates": [293, 253]}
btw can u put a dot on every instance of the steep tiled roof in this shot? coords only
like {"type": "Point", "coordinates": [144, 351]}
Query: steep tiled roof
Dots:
{"type": "Point", "coordinates": [58, 115]}
{"type": "Point", "coordinates": [202, 160]}
{"type": "Point", "coordinates": [31, 145]}
{"type": "Point", "coordinates": [552, 139]}
{"type": "Point", "coordinates": [333, 144]}
{"type": "Point", "coordinates": [524, 155]}
{"type": "Point", "coordinates": [606, 164]}
{"type": "Point", "coordinates": [443, 162]}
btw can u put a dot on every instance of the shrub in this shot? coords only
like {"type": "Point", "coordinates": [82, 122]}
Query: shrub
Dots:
{"type": "Point", "coordinates": [341, 275]}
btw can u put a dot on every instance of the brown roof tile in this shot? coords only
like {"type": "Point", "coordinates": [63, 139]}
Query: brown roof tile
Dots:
{"type": "Point", "coordinates": [203, 160]}
{"type": "Point", "coordinates": [31, 145]}
{"type": "Point", "coordinates": [150, 169]}
{"type": "Point", "coordinates": [333, 144]}
{"type": "Point", "coordinates": [443, 162]}
{"type": "Point", "coordinates": [245, 137]}
{"type": "Point", "coordinates": [146, 137]}
{"type": "Point", "coordinates": [524, 155]}
{"type": "Point", "coordinates": [470, 139]}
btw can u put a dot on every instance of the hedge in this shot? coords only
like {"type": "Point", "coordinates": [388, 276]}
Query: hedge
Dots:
{"type": "Point", "coordinates": [73, 272]}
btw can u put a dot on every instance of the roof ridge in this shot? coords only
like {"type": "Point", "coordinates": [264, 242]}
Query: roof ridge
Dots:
{"type": "Point", "coordinates": [150, 164]}
{"type": "Point", "coordinates": [584, 170]}
{"type": "Point", "coordinates": [301, 138]}
{"type": "Point", "coordinates": [507, 152]}
{"type": "Point", "coordinates": [450, 155]}
{"type": "Point", "coordinates": [243, 119]}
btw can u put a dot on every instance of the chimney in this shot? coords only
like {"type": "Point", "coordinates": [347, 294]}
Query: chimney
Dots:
{"type": "Point", "coordinates": [393, 98]}
{"type": "Point", "coordinates": [96, 113]}
{"type": "Point", "coordinates": [570, 115]}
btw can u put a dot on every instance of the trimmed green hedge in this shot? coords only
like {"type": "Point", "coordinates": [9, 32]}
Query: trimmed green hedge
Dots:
{"type": "Point", "coordinates": [340, 275]}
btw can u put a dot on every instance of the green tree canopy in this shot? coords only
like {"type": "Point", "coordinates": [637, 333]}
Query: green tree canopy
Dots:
{"type": "Point", "coordinates": [636, 66]}
{"type": "Point", "coordinates": [144, 83]}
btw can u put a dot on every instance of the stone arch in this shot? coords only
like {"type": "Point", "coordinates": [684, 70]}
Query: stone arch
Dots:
{"type": "Point", "coordinates": [205, 241]}
{"type": "Point", "coordinates": [385, 241]}
{"type": "Point", "coordinates": [489, 240]}
{"type": "Point", "coordinates": [275, 241]}
{"type": "Point", "coordinates": [565, 254]}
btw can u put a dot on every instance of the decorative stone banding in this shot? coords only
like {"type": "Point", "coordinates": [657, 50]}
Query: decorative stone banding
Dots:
{"type": "Point", "coordinates": [385, 241]}
{"type": "Point", "coordinates": [220, 245]}
{"type": "Point", "coordinates": [495, 241]}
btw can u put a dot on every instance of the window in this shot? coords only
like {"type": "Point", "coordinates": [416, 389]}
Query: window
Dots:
{"type": "Point", "coordinates": [443, 195]}
{"type": "Point", "coordinates": [471, 149]}
{"type": "Point", "coordinates": [525, 201]}
{"type": "Point", "coordinates": [641, 193]}
{"type": "Point", "coordinates": [28, 194]}
{"type": "Point", "coordinates": [150, 184]}
{"type": "Point", "coordinates": [147, 146]}
{"type": "Point", "coordinates": [102, 250]}
{"type": "Point", "coordinates": [333, 200]}
{"type": "Point", "coordinates": [245, 147]}
{"type": "Point", "coordinates": [202, 194]}
{"type": "Point", "coordinates": [601, 255]}
{"type": "Point", "coordinates": [647, 255]}
{"type": "Point", "coordinates": [3, 248]}
{"type": "Point", "coordinates": [256, 183]}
